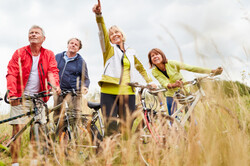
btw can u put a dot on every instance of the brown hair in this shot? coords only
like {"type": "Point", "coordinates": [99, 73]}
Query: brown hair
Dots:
{"type": "Point", "coordinates": [80, 42]}
{"type": "Point", "coordinates": [156, 51]}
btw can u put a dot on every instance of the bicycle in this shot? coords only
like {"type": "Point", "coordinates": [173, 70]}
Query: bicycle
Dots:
{"type": "Point", "coordinates": [156, 125]}
{"type": "Point", "coordinates": [172, 128]}
{"type": "Point", "coordinates": [149, 114]}
{"type": "Point", "coordinates": [189, 101]}
{"type": "Point", "coordinates": [84, 134]}
{"type": "Point", "coordinates": [38, 129]}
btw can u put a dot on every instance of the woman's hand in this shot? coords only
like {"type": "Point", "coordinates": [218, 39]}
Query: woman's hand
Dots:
{"type": "Point", "coordinates": [152, 85]}
{"type": "Point", "coordinates": [178, 83]}
{"type": "Point", "coordinates": [97, 8]}
{"type": "Point", "coordinates": [217, 71]}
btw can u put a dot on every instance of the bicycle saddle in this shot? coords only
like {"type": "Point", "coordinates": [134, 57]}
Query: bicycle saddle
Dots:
{"type": "Point", "coordinates": [95, 106]}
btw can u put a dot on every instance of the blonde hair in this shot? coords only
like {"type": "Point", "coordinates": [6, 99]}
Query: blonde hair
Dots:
{"type": "Point", "coordinates": [120, 30]}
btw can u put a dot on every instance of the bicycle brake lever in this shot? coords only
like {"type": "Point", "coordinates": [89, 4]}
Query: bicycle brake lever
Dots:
{"type": "Point", "coordinates": [194, 81]}
{"type": "Point", "coordinates": [52, 86]}
{"type": "Point", "coordinates": [6, 97]}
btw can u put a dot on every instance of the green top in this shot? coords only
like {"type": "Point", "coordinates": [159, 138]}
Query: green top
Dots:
{"type": "Point", "coordinates": [173, 70]}
{"type": "Point", "coordinates": [115, 77]}
{"type": "Point", "coordinates": [123, 88]}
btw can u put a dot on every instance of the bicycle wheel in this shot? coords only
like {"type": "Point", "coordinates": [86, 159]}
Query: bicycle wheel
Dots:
{"type": "Point", "coordinates": [160, 132]}
{"type": "Point", "coordinates": [95, 135]}
{"type": "Point", "coordinates": [40, 139]}
{"type": "Point", "coordinates": [79, 140]}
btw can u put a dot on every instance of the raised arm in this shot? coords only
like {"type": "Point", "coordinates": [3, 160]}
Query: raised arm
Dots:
{"type": "Point", "coordinates": [103, 33]}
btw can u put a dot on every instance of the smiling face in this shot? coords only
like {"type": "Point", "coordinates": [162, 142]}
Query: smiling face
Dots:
{"type": "Point", "coordinates": [36, 36]}
{"type": "Point", "coordinates": [156, 58]}
{"type": "Point", "coordinates": [116, 36]}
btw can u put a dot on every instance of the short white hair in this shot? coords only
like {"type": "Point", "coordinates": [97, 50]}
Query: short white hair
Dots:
{"type": "Point", "coordinates": [37, 27]}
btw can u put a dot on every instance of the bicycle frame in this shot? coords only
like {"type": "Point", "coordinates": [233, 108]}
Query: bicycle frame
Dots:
{"type": "Point", "coordinates": [95, 115]}
{"type": "Point", "coordinates": [35, 99]}
{"type": "Point", "coordinates": [198, 95]}
{"type": "Point", "coordinates": [148, 112]}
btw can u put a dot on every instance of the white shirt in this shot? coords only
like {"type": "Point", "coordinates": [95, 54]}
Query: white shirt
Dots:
{"type": "Point", "coordinates": [33, 84]}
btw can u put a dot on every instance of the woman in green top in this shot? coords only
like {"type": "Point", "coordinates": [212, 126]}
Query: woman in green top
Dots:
{"type": "Point", "coordinates": [120, 62]}
{"type": "Point", "coordinates": [167, 72]}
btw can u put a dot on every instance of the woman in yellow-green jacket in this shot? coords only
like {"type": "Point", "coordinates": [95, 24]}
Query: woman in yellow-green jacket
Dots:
{"type": "Point", "coordinates": [120, 63]}
{"type": "Point", "coordinates": [167, 72]}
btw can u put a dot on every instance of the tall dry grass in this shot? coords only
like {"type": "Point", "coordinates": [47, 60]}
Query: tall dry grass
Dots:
{"type": "Point", "coordinates": [215, 139]}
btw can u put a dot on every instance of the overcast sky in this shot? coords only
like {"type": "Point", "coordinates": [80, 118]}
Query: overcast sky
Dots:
{"type": "Point", "coordinates": [207, 33]}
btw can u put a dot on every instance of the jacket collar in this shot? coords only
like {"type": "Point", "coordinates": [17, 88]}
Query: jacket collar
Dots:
{"type": "Point", "coordinates": [76, 57]}
{"type": "Point", "coordinates": [125, 47]}
{"type": "Point", "coordinates": [29, 49]}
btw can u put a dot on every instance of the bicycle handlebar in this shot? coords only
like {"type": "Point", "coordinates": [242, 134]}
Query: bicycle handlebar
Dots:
{"type": "Point", "coordinates": [65, 92]}
{"type": "Point", "coordinates": [42, 94]}
{"type": "Point", "coordinates": [149, 87]}
{"type": "Point", "coordinates": [199, 79]}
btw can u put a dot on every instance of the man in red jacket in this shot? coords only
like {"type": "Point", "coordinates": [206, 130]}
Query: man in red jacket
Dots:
{"type": "Point", "coordinates": [29, 70]}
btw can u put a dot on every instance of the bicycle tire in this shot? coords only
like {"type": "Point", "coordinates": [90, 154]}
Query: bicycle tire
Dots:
{"type": "Point", "coordinates": [166, 127]}
{"type": "Point", "coordinates": [96, 134]}
{"type": "Point", "coordinates": [79, 140]}
{"type": "Point", "coordinates": [40, 139]}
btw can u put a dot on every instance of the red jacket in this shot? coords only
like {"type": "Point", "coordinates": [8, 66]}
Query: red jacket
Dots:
{"type": "Point", "coordinates": [17, 79]}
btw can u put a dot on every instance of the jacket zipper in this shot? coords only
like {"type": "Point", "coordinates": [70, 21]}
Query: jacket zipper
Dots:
{"type": "Point", "coordinates": [64, 67]}
{"type": "Point", "coordinates": [41, 75]}
{"type": "Point", "coordinates": [122, 68]}
{"type": "Point", "coordinates": [106, 68]}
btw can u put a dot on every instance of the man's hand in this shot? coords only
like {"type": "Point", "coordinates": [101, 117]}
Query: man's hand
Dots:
{"type": "Point", "coordinates": [58, 90]}
{"type": "Point", "coordinates": [14, 102]}
{"type": "Point", "coordinates": [84, 90]}
{"type": "Point", "coordinates": [97, 8]}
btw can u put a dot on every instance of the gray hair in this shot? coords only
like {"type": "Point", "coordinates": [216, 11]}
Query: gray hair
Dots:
{"type": "Point", "coordinates": [80, 42]}
{"type": "Point", "coordinates": [37, 27]}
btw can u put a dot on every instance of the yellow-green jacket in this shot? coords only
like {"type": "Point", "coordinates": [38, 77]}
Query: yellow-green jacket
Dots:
{"type": "Point", "coordinates": [112, 56]}
{"type": "Point", "coordinates": [173, 70]}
